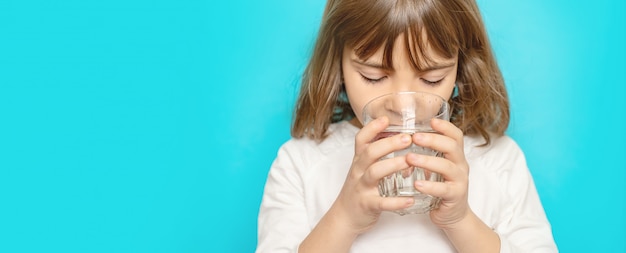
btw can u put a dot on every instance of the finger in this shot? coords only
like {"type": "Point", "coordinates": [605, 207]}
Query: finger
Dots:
{"type": "Point", "coordinates": [368, 132]}
{"type": "Point", "coordinates": [448, 129]}
{"type": "Point", "coordinates": [444, 190]}
{"type": "Point", "coordinates": [449, 142]}
{"type": "Point", "coordinates": [437, 142]}
{"type": "Point", "coordinates": [378, 149]}
{"type": "Point", "coordinates": [446, 168]}
{"type": "Point", "coordinates": [393, 203]}
{"type": "Point", "coordinates": [361, 142]}
{"type": "Point", "coordinates": [383, 168]}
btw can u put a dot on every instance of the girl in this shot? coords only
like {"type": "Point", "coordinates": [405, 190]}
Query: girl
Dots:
{"type": "Point", "coordinates": [321, 193]}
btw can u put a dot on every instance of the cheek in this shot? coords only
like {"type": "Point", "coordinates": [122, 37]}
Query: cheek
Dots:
{"type": "Point", "coordinates": [446, 88]}
{"type": "Point", "coordinates": [357, 105]}
{"type": "Point", "coordinates": [446, 92]}
{"type": "Point", "coordinates": [357, 97]}
{"type": "Point", "coordinates": [355, 94]}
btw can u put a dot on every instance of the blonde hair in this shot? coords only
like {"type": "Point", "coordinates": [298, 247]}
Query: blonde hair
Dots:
{"type": "Point", "coordinates": [452, 27]}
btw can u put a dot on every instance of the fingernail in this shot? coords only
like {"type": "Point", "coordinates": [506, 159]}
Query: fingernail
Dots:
{"type": "Point", "coordinates": [409, 201]}
{"type": "Point", "coordinates": [419, 184]}
{"type": "Point", "coordinates": [418, 136]}
{"type": "Point", "coordinates": [406, 138]}
{"type": "Point", "coordinates": [415, 158]}
{"type": "Point", "coordinates": [383, 120]}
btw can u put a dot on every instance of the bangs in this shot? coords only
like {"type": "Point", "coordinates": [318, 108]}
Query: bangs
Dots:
{"type": "Point", "coordinates": [425, 24]}
{"type": "Point", "coordinates": [432, 30]}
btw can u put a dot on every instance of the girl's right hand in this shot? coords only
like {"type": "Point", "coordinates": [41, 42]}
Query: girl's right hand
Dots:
{"type": "Point", "coordinates": [359, 201]}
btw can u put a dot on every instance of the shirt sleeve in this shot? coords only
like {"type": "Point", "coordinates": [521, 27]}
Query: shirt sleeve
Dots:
{"type": "Point", "coordinates": [523, 225]}
{"type": "Point", "coordinates": [282, 221]}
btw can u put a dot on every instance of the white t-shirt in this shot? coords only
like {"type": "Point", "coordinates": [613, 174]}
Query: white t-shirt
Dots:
{"type": "Point", "coordinates": [306, 178]}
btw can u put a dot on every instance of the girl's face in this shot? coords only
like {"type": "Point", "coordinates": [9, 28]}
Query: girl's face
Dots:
{"type": "Point", "coordinates": [367, 79]}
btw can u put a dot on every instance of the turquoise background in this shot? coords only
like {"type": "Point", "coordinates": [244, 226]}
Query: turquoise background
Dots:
{"type": "Point", "coordinates": [149, 126]}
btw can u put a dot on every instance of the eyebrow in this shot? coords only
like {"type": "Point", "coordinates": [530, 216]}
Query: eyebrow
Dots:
{"type": "Point", "coordinates": [368, 64]}
{"type": "Point", "coordinates": [436, 66]}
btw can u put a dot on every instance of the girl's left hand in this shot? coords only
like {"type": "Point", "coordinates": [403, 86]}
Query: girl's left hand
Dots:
{"type": "Point", "coordinates": [454, 168]}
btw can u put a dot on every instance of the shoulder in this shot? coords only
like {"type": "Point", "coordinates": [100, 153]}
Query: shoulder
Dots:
{"type": "Point", "coordinates": [340, 135]}
{"type": "Point", "coordinates": [501, 153]}
{"type": "Point", "coordinates": [498, 144]}
{"type": "Point", "coordinates": [504, 160]}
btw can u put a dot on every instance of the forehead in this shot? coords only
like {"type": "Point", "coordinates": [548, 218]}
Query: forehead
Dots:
{"type": "Point", "coordinates": [420, 54]}
{"type": "Point", "coordinates": [426, 28]}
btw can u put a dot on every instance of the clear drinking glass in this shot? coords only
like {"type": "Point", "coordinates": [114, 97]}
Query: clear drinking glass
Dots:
{"type": "Point", "coordinates": [408, 112]}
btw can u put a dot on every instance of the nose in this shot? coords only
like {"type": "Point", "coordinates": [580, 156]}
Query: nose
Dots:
{"type": "Point", "coordinates": [403, 86]}
{"type": "Point", "coordinates": [413, 108]}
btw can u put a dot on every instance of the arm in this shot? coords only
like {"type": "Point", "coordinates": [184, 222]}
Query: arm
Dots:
{"type": "Point", "coordinates": [523, 226]}
{"type": "Point", "coordinates": [358, 205]}
{"type": "Point", "coordinates": [454, 216]}
{"type": "Point", "coordinates": [282, 221]}
{"type": "Point", "coordinates": [331, 234]}
{"type": "Point", "coordinates": [472, 235]}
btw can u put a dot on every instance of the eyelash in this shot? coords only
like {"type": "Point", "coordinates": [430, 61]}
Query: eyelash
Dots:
{"type": "Point", "coordinates": [431, 83]}
{"type": "Point", "coordinates": [427, 82]}
{"type": "Point", "coordinates": [369, 80]}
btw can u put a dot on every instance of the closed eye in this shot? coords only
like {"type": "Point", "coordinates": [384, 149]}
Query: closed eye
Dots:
{"type": "Point", "coordinates": [431, 83]}
{"type": "Point", "coordinates": [372, 80]}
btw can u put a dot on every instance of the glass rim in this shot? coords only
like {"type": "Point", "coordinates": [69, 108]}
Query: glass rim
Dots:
{"type": "Point", "coordinates": [444, 101]}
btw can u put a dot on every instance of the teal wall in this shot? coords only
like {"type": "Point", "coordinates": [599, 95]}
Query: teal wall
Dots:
{"type": "Point", "coordinates": [149, 126]}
